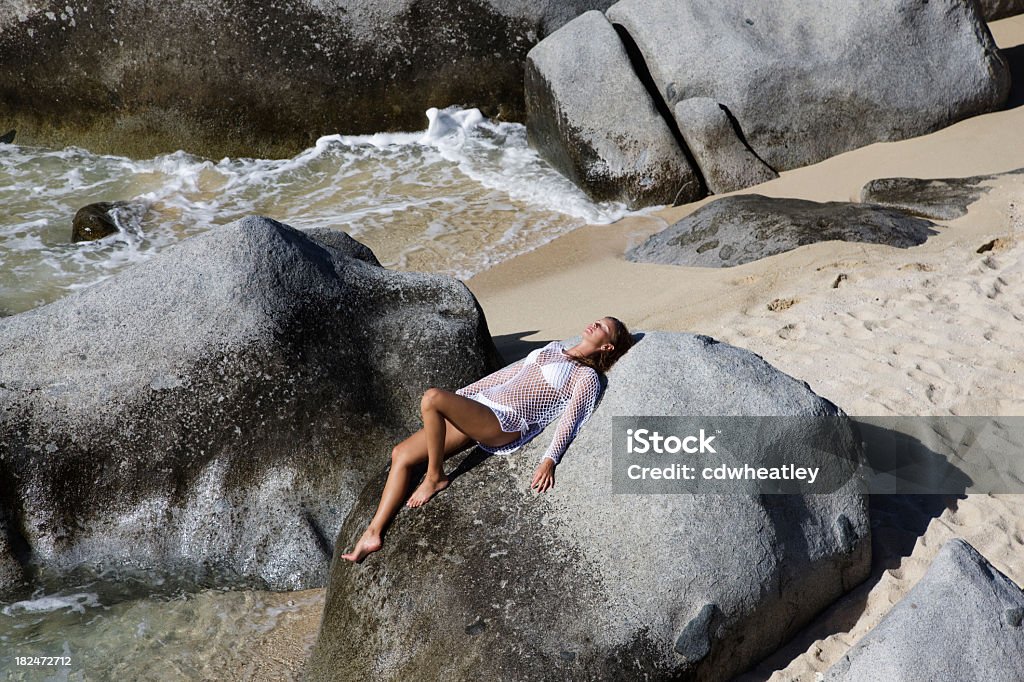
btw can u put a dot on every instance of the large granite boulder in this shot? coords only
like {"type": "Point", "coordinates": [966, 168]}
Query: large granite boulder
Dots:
{"type": "Point", "coordinates": [964, 620]}
{"type": "Point", "coordinates": [489, 581]}
{"type": "Point", "coordinates": [212, 414]}
{"type": "Point", "coordinates": [591, 118]}
{"type": "Point", "coordinates": [249, 78]}
{"type": "Point", "coordinates": [725, 161]}
{"type": "Point", "coordinates": [940, 199]}
{"type": "Point", "coordinates": [743, 228]}
{"type": "Point", "coordinates": [793, 82]}
{"type": "Point", "coordinates": [806, 80]}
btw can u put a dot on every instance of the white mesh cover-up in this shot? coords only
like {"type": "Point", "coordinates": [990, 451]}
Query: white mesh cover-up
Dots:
{"type": "Point", "coordinates": [527, 395]}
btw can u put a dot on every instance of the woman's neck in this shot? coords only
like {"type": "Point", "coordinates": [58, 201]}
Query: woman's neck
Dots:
{"type": "Point", "coordinates": [580, 350]}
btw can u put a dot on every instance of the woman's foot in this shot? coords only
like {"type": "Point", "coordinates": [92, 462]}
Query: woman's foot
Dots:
{"type": "Point", "coordinates": [368, 543]}
{"type": "Point", "coordinates": [427, 489]}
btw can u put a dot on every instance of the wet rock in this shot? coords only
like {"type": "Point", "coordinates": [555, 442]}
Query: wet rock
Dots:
{"type": "Point", "coordinates": [96, 221]}
{"type": "Point", "coordinates": [725, 161]}
{"type": "Point", "coordinates": [939, 199]}
{"type": "Point", "coordinates": [592, 584]}
{"type": "Point", "coordinates": [807, 80]}
{"type": "Point", "coordinates": [341, 242]}
{"type": "Point", "coordinates": [951, 626]}
{"type": "Point", "coordinates": [211, 414]}
{"type": "Point", "coordinates": [739, 229]}
{"type": "Point", "coordinates": [259, 79]}
{"type": "Point", "coordinates": [591, 118]}
{"type": "Point", "coordinates": [8, 137]}
{"type": "Point", "coordinates": [999, 9]}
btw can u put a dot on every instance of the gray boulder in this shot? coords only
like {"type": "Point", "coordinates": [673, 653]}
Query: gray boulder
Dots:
{"type": "Point", "coordinates": [591, 118]}
{"type": "Point", "coordinates": [807, 79]}
{"type": "Point", "coordinates": [940, 199]}
{"type": "Point", "coordinates": [739, 229]}
{"type": "Point", "coordinates": [962, 621]}
{"type": "Point", "coordinates": [725, 161]}
{"type": "Point", "coordinates": [489, 581]}
{"type": "Point", "coordinates": [250, 78]}
{"type": "Point", "coordinates": [211, 415]}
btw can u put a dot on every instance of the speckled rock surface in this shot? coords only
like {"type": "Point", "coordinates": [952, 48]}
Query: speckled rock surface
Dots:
{"type": "Point", "coordinates": [807, 79]}
{"type": "Point", "coordinates": [742, 228]}
{"type": "Point", "coordinates": [940, 198]}
{"type": "Point", "coordinates": [725, 161]}
{"type": "Point", "coordinates": [961, 621]}
{"type": "Point", "coordinates": [212, 414]}
{"type": "Point", "coordinates": [591, 118]}
{"type": "Point", "coordinates": [489, 581]}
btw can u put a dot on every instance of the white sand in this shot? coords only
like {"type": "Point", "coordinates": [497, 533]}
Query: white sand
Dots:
{"type": "Point", "coordinates": [931, 330]}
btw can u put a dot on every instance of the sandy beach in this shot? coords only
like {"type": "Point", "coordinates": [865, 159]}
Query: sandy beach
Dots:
{"type": "Point", "coordinates": [930, 330]}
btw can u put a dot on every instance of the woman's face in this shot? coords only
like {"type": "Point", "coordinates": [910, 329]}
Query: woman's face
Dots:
{"type": "Point", "coordinates": [599, 332]}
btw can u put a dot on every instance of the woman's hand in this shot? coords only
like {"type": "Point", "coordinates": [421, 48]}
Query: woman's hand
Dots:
{"type": "Point", "coordinates": [544, 476]}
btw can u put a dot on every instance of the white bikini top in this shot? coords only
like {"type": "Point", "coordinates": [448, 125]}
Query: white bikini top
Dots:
{"type": "Point", "coordinates": [556, 370]}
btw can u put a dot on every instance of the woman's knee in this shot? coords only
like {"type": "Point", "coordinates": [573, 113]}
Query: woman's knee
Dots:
{"type": "Point", "coordinates": [400, 454]}
{"type": "Point", "coordinates": [430, 398]}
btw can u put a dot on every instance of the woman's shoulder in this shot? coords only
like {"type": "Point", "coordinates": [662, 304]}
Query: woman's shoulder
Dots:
{"type": "Point", "coordinates": [552, 348]}
{"type": "Point", "coordinates": [588, 375]}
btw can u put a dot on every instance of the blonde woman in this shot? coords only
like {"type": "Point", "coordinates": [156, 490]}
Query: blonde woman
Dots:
{"type": "Point", "coordinates": [500, 413]}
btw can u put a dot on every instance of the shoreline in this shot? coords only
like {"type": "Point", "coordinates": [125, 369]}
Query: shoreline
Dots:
{"type": "Point", "coordinates": [933, 329]}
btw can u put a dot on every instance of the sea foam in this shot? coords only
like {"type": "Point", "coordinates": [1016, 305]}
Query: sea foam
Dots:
{"type": "Point", "coordinates": [455, 198]}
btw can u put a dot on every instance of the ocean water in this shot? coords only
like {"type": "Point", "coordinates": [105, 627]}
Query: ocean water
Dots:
{"type": "Point", "coordinates": [454, 198]}
{"type": "Point", "coordinates": [104, 632]}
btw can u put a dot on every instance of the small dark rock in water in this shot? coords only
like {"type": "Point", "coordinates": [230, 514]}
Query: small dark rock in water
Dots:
{"type": "Point", "coordinates": [939, 199]}
{"type": "Point", "coordinates": [95, 221]}
{"type": "Point", "coordinates": [740, 229]}
{"type": "Point", "coordinates": [8, 137]}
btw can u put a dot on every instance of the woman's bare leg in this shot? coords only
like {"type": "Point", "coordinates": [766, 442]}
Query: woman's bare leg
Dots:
{"type": "Point", "coordinates": [415, 450]}
{"type": "Point", "coordinates": [438, 408]}
{"type": "Point", "coordinates": [404, 457]}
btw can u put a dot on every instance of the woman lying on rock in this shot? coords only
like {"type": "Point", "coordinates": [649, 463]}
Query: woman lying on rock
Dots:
{"type": "Point", "coordinates": [500, 413]}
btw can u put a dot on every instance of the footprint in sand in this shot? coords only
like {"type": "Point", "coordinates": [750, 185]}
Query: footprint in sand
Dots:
{"type": "Point", "coordinates": [996, 245]}
{"type": "Point", "coordinates": [792, 332]}
{"type": "Point", "coordinates": [937, 394]}
{"type": "Point", "coordinates": [872, 325]}
{"type": "Point", "coordinates": [781, 304]}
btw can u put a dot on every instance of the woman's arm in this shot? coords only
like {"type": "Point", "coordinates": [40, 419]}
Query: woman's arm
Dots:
{"type": "Point", "coordinates": [494, 379]}
{"type": "Point", "coordinates": [577, 412]}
